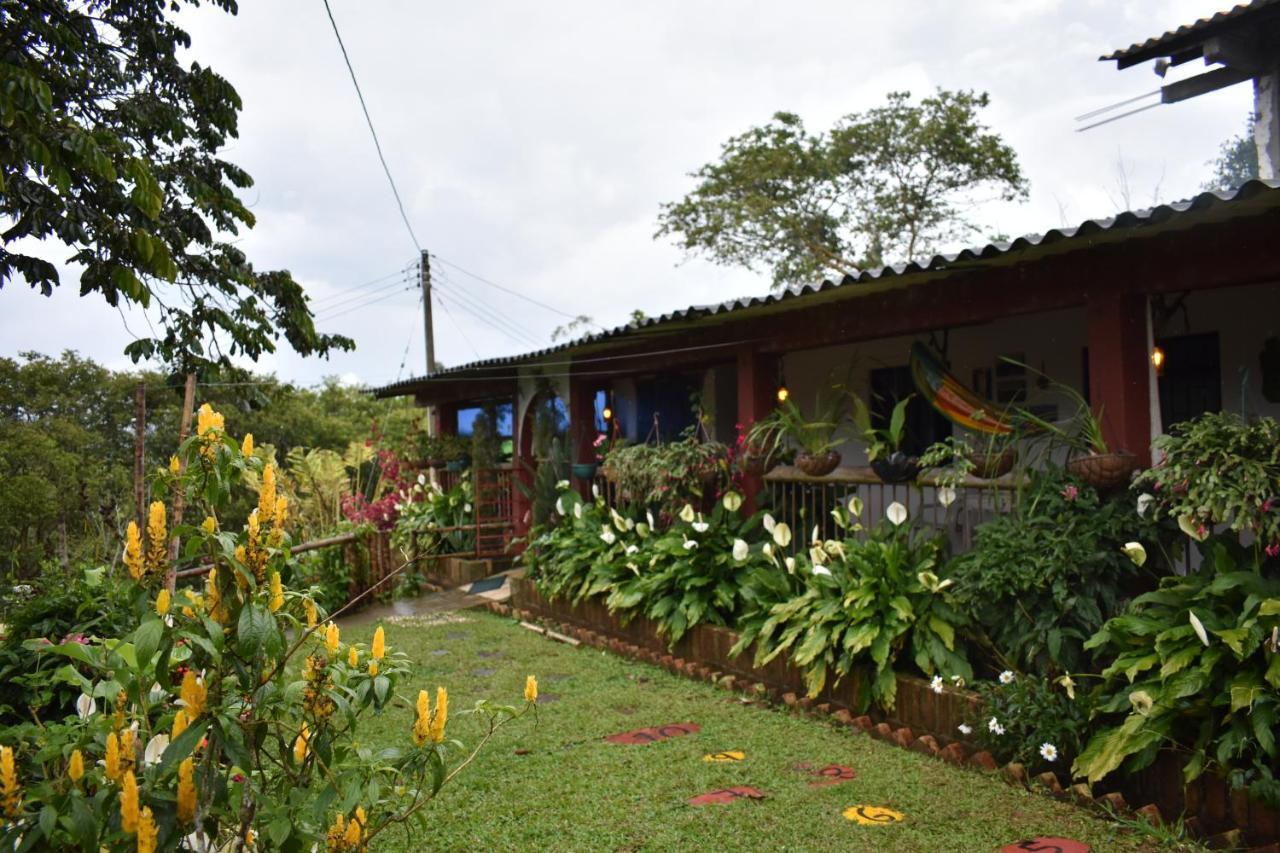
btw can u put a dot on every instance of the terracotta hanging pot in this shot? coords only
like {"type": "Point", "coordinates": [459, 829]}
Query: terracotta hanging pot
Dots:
{"type": "Point", "coordinates": [989, 466]}
{"type": "Point", "coordinates": [1104, 471]}
{"type": "Point", "coordinates": [757, 464]}
{"type": "Point", "coordinates": [819, 465]}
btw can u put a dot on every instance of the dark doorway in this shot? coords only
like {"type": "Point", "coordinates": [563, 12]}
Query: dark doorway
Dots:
{"type": "Point", "coordinates": [924, 424]}
{"type": "Point", "coordinates": [1191, 379]}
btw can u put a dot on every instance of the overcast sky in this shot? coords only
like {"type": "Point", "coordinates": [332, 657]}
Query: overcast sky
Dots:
{"type": "Point", "coordinates": [533, 144]}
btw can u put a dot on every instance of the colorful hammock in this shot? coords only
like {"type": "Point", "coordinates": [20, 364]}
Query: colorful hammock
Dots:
{"type": "Point", "coordinates": [954, 401]}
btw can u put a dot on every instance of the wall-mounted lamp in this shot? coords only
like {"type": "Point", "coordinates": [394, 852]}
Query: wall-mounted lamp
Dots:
{"type": "Point", "coordinates": [783, 393]}
{"type": "Point", "coordinates": [607, 413]}
{"type": "Point", "coordinates": [1157, 360]}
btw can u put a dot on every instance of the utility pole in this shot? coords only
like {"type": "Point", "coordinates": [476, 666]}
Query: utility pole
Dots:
{"type": "Point", "coordinates": [425, 266]}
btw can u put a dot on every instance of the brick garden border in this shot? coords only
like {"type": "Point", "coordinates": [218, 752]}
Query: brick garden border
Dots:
{"type": "Point", "coordinates": [922, 721]}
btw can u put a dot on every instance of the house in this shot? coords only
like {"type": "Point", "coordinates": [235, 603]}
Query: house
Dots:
{"type": "Point", "coordinates": [1153, 315]}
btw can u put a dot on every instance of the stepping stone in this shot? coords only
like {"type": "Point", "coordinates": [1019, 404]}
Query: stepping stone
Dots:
{"type": "Point", "coordinates": [872, 815]}
{"type": "Point", "coordinates": [1047, 845]}
{"type": "Point", "coordinates": [456, 635]}
{"type": "Point", "coordinates": [489, 653]}
{"type": "Point", "coordinates": [727, 795]}
{"type": "Point", "coordinates": [728, 755]}
{"type": "Point", "coordinates": [483, 673]}
{"type": "Point", "coordinates": [654, 733]}
{"type": "Point", "coordinates": [438, 652]}
{"type": "Point", "coordinates": [553, 677]}
{"type": "Point", "coordinates": [832, 774]}
{"type": "Point", "coordinates": [548, 698]}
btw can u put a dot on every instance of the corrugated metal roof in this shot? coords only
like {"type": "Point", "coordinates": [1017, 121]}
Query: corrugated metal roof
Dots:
{"type": "Point", "coordinates": [1191, 35]}
{"type": "Point", "coordinates": [1090, 232]}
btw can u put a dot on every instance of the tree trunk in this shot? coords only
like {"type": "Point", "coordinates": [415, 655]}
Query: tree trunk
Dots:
{"type": "Point", "coordinates": [179, 498]}
{"type": "Point", "coordinates": [139, 442]}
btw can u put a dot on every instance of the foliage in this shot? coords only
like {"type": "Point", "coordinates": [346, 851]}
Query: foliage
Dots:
{"type": "Point", "coordinates": [1194, 668]}
{"type": "Point", "coordinates": [1237, 160]}
{"type": "Point", "coordinates": [59, 606]}
{"type": "Point", "coordinates": [679, 575]}
{"type": "Point", "coordinates": [788, 425]}
{"type": "Point", "coordinates": [881, 441]}
{"type": "Point", "coordinates": [1082, 431]}
{"type": "Point", "coordinates": [668, 475]}
{"type": "Point", "coordinates": [1040, 580]}
{"type": "Point", "coordinates": [1219, 469]}
{"type": "Point", "coordinates": [211, 727]}
{"type": "Point", "coordinates": [425, 508]}
{"type": "Point", "coordinates": [891, 183]}
{"type": "Point", "coordinates": [110, 147]}
{"type": "Point", "coordinates": [952, 458]}
{"type": "Point", "coordinates": [1020, 714]}
{"type": "Point", "coordinates": [865, 602]}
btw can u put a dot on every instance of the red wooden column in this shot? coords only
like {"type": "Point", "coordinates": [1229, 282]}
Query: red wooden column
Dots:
{"type": "Point", "coordinates": [757, 394]}
{"type": "Point", "coordinates": [582, 425]}
{"type": "Point", "coordinates": [1120, 370]}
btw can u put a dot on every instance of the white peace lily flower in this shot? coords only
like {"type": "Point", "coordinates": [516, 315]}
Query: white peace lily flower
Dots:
{"type": "Point", "coordinates": [816, 536]}
{"type": "Point", "coordinates": [1068, 685]}
{"type": "Point", "coordinates": [634, 568]}
{"type": "Point", "coordinates": [740, 550]}
{"type": "Point", "coordinates": [608, 536]}
{"type": "Point", "coordinates": [965, 729]}
{"type": "Point", "coordinates": [817, 555]}
{"type": "Point", "coordinates": [834, 547]}
{"type": "Point", "coordinates": [1191, 528]}
{"type": "Point", "coordinates": [928, 580]}
{"type": "Point", "coordinates": [687, 514]}
{"type": "Point", "coordinates": [1144, 504]}
{"type": "Point", "coordinates": [1006, 677]}
{"type": "Point", "coordinates": [648, 514]}
{"type": "Point", "coordinates": [466, 507]}
{"type": "Point", "coordinates": [422, 479]}
{"type": "Point", "coordinates": [946, 496]}
{"type": "Point", "coordinates": [630, 525]}
{"type": "Point", "coordinates": [855, 505]}
{"type": "Point", "coordinates": [821, 570]}
{"type": "Point", "coordinates": [701, 526]}
{"type": "Point", "coordinates": [642, 530]}
{"type": "Point", "coordinates": [85, 706]}
{"type": "Point", "coordinates": [690, 544]}
{"type": "Point", "coordinates": [732, 501]}
{"type": "Point", "coordinates": [155, 694]}
{"type": "Point", "coordinates": [1135, 552]}
{"type": "Point", "coordinates": [957, 680]}
{"type": "Point", "coordinates": [1141, 702]}
{"type": "Point", "coordinates": [562, 485]}
{"type": "Point", "coordinates": [782, 534]}
{"type": "Point", "coordinates": [155, 748]}
{"type": "Point", "coordinates": [560, 505]}
{"type": "Point", "coordinates": [944, 584]}
{"type": "Point", "coordinates": [936, 684]}
{"type": "Point", "coordinates": [768, 523]}
{"type": "Point", "coordinates": [896, 513]}
{"type": "Point", "coordinates": [1048, 752]}
{"type": "Point", "coordinates": [632, 549]}
{"type": "Point", "coordinates": [577, 511]}
{"type": "Point", "coordinates": [1198, 627]}
{"type": "Point", "coordinates": [790, 563]}
{"type": "Point", "coordinates": [595, 491]}
{"type": "Point", "coordinates": [618, 521]}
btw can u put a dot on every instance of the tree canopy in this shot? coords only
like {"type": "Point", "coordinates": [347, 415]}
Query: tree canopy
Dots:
{"type": "Point", "coordinates": [1237, 161]}
{"type": "Point", "coordinates": [110, 148]}
{"type": "Point", "coordinates": [890, 184]}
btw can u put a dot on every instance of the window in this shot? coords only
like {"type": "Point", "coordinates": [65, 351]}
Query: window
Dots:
{"type": "Point", "coordinates": [924, 424]}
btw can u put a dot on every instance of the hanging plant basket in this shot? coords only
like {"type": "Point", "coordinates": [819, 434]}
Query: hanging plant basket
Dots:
{"type": "Point", "coordinates": [897, 467]}
{"type": "Point", "coordinates": [1104, 471]}
{"type": "Point", "coordinates": [456, 466]}
{"type": "Point", "coordinates": [989, 466]}
{"type": "Point", "coordinates": [819, 465]}
{"type": "Point", "coordinates": [757, 464]}
{"type": "Point", "coordinates": [585, 471]}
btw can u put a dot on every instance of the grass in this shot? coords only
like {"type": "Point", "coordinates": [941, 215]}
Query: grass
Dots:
{"type": "Point", "coordinates": [574, 791]}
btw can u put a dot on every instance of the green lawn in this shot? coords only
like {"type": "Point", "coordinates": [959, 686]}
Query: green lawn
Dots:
{"type": "Point", "coordinates": [574, 791]}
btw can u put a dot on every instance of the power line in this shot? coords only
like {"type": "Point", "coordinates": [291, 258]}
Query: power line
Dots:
{"type": "Point", "coordinates": [515, 293]}
{"type": "Point", "coordinates": [458, 329]}
{"type": "Point", "coordinates": [405, 358]}
{"type": "Point", "coordinates": [369, 121]}
{"type": "Point", "coordinates": [345, 291]}
{"type": "Point", "coordinates": [487, 313]}
{"type": "Point", "coordinates": [354, 298]}
{"type": "Point", "coordinates": [353, 308]}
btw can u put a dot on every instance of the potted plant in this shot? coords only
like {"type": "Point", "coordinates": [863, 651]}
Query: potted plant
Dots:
{"type": "Point", "coordinates": [884, 444]}
{"type": "Point", "coordinates": [1092, 460]}
{"type": "Point", "coordinates": [762, 448]}
{"type": "Point", "coordinates": [955, 458]}
{"type": "Point", "coordinates": [454, 449]}
{"type": "Point", "coordinates": [815, 439]}
{"type": "Point", "coordinates": [586, 471]}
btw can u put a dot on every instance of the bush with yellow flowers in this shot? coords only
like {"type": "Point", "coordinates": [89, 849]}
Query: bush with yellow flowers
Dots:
{"type": "Point", "coordinates": [227, 718]}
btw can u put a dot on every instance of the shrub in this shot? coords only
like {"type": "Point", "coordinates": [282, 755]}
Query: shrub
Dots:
{"type": "Point", "coordinates": [1041, 580]}
{"type": "Point", "coordinates": [1193, 670]}
{"type": "Point", "coordinates": [1037, 722]}
{"type": "Point", "coordinates": [221, 716]}
{"type": "Point", "coordinates": [424, 510]}
{"type": "Point", "coordinates": [865, 602]}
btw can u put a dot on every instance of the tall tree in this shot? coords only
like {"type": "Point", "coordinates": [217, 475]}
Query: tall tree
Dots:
{"type": "Point", "coordinates": [110, 148]}
{"type": "Point", "coordinates": [1237, 161]}
{"type": "Point", "coordinates": [889, 184]}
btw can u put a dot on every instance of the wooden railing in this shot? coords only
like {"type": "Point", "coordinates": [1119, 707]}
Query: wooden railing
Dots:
{"type": "Point", "coordinates": [804, 502]}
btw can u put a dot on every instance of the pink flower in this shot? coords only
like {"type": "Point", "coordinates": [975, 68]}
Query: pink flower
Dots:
{"type": "Point", "coordinates": [1273, 549]}
{"type": "Point", "coordinates": [1070, 492]}
{"type": "Point", "coordinates": [1267, 504]}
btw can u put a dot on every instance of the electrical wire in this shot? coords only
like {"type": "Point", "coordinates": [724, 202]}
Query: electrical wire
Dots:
{"type": "Point", "coordinates": [458, 328]}
{"type": "Point", "coordinates": [405, 358]}
{"type": "Point", "coordinates": [360, 297]}
{"type": "Point", "coordinates": [515, 293]}
{"type": "Point", "coordinates": [372, 132]}
{"type": "Point", "coordinates": [484, 312]}
{"type": "Point", "coordinates": [354, 308]}
{"type": "Point", "coordinates": [341, 292]}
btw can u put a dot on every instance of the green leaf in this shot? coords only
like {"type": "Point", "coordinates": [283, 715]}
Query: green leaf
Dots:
{"type": "Point", "coordinates": [948, 634]}
{"type": "Point", "coordinates": [147, 639]}
{"type": "Point", "coordinates": [254, 630]}
{"type": "Point", "coordinates": [1270, 607]}
{"type": "Point", "coordinates": [279, 830]}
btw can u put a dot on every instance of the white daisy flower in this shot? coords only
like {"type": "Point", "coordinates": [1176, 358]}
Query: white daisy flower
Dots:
{"type": "Point", "coordinates": [936, 684]}
{"type": "Point", "coordinates": [1048, 752]}
{"type": "Point", "coordinates": [1006, 677]}
{"type": "Point", "coordinates": [993, 726]}
{"type": "Point", "coordinates": [965, 729]}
